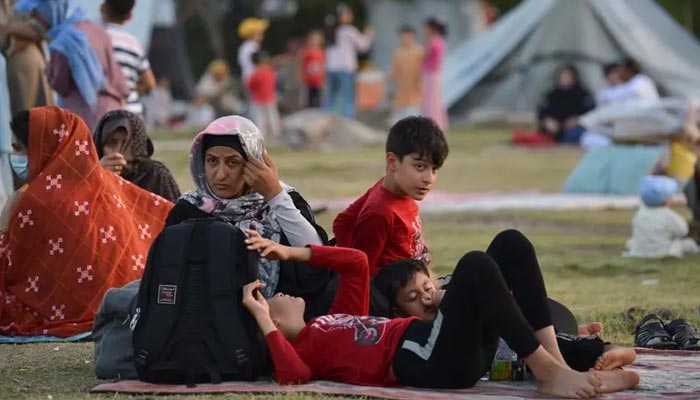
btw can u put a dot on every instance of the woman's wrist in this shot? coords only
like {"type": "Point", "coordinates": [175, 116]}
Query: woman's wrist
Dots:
{"type": "Point", "coordinates": [272, 193]}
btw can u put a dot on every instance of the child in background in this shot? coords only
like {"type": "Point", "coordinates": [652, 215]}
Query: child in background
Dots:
{"type": "Point", "coordinates": [128, 52]}
{"type": "Point", "coordinates": [658, 231]}
{"type": "Point", "coordinates": [435, 32]}
{"type": "Point", "coordinates": [261, 86]}
{"type": "Point", "coordinates": [313, 68]}
{"type": "Point", "coordinates": [159, 104]}
{"type": "Point", "coordinates": [384, 222]}
{"type": "Point", "coordinates": [406, 72]}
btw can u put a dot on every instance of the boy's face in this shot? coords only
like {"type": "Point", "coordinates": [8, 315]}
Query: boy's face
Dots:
{"type": "Point", "coordinates": [407, 39]}
{"type": "Point", "coordinates": [285, 308]}
{"type": "Point", "coordinates": [416, 298]}
{"type": "Point", "coordinates": [414, 175]}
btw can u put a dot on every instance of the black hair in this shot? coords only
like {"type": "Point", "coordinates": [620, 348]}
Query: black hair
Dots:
{"type": "Point", "coordinates": [609, 68]}
{"type": "Point", "coordinates": [437, 26]}
{"type": "Point", "coordinates": [119, 9]}
{"type": "Point", "coordinates": [332, 22]}
{"type": "Point", "coordinates": [20, 127]}
{"type": "Point", "coordinates": [632, 64]}
{"type": "Point", "coordinates": [418, 135]}
{"type": "Point", "coordinates": [395, 276]}
{"type": "Point", "coordinates": [407, 29]}
{"type": "Point", "coordinates": [258, 56]}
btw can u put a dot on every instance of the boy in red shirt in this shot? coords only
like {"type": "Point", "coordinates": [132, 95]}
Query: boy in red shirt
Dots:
{"type": "Point", "coordinates": [384, 222]}
{"type": "Point", "coordinates": [262, 88]}
{"type": "Point", "coordinates": [452, 351]}
{"type": "Point", "coordinates": [313, 68]}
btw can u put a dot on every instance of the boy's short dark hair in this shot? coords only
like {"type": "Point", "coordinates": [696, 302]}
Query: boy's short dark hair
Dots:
{"type": "Point", "coordinates": [407, 29]}
{"type": "Point", "coordinates": [119, 9]}
{"type": "Point", "coordinates": [418, 135]}
{"type": "Point", "coordinates": [396, 276]}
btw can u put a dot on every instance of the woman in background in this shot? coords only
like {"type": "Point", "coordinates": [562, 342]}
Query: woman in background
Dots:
{"type": "Point", "coordinates": [433, 107]}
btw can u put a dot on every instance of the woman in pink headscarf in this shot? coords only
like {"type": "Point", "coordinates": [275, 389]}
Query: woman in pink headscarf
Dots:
{"type": "Point", "coordinates": [237, 181]}
{"type": "Point", "coordinates": [435, 48]}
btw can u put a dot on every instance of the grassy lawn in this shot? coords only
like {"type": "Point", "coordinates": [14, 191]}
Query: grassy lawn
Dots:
{"type": "Point", "coordinates": [579, 251]}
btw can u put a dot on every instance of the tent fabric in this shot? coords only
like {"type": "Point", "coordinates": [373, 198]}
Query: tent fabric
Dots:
{"type": "Point", "coordinates": [613, 170]}
{"type": "Point", "coordinates": [505, 70]}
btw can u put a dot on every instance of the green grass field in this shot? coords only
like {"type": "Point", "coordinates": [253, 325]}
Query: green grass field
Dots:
{"type": "Point", "coordinates": [579, 251]}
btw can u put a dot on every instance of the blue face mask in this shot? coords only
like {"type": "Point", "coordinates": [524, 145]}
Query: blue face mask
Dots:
{"type": "Point", "coordinates": [20, 165]}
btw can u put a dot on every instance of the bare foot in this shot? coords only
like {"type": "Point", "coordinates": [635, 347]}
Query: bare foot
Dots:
{"type": "Point", "coordinates": [615, 358]}
{"type": "Point", "coordinates": [617, 380]}
{"type": "Point", "coordinates": [571, 384]}
{"type": "Point", "coordinates": [593, 328]}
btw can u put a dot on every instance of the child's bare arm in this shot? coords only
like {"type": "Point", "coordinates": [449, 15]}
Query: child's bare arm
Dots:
{"type": "Point", "coordinates": [275, 251]}
{"type": "Point", "coordinates": [256, 304]}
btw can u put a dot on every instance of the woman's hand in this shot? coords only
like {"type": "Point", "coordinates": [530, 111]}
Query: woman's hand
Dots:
{"type": "Point", "coordinates": [275, 251]}
{"type": "Point", "coordinates": [114, 162]}
{"type": "Point", "coordinates": [262, 176]}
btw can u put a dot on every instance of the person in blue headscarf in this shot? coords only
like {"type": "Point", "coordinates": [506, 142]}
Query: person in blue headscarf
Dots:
{"type": "Point", "coordinates": [82, 69]}
{"type": "Point", "coordinates": [5, 140]}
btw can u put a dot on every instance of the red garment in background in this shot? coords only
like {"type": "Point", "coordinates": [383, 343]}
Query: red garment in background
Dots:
{"type": "Point", "coordinates": [313, 67]}
{"type": "Point", "coordinates": [261, 85]}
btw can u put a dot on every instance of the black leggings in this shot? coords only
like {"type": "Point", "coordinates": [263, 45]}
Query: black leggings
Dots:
{"type": "Point", "coordinates": [457, 348]}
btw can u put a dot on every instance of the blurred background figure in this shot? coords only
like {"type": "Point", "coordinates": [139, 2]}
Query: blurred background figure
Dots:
{"type": "Point", "coordinates": [21, 37]}
{"type": "Point", "coordinates": [216, 86]}
{"type": "Point", "coordinates": [313, 69]}
{"type": "Point", "coordinates": [613, 79]}
{"type": "Point", "coordinates": [435, 48]}
{"type": "Point", "coordinates": [562, 106]}
{"type": "Point", "coordinates": [159, 103]}
{"type": "Point", "coordinates": [252, 31]}
{"type": "Point", "coordinates": [82, 68]}
{"type": "Point", "coordinates": [128, 52]}
{"type": "Point", "coordinates": [406, 74]}
{"type": "Point", "coordinates": [344, 42]}
{"type": "Point", "coordinates": [262, 87]}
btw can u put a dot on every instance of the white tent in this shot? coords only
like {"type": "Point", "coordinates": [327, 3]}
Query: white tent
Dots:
{"type": "Point", "coordinates": [502, 73]}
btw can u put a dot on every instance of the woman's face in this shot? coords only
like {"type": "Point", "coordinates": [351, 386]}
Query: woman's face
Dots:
{"type": "Point", "coordinates": [566, 78]}
{"type": "Point", "coordinates": [115, 143]}
{"type": "Point", "coordinates": [223, 167]}
{"type": "Point", "coordinates": [17, 147]}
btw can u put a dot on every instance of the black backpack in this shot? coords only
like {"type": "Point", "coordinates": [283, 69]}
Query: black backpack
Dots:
{"type": "Point", "coordinates": [190, 325]}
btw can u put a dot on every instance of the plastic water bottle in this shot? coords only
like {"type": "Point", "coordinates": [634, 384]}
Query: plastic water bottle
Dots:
{"type": "Point", "coordinates": [506, 366]}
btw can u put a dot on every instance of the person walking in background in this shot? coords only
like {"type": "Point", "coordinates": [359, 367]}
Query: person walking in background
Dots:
{"type": "Point", "coordinates": [82, 69]}
{"type": "Point", "coordinates": [433, 107]}
{"type": "Point", "coordinates": [128, 52]}
{"type": "Point", "coordinates": [262, 86]}
{"type": "Point", "coordinates": [344, 42]}
{"type": "Point", "coordinates": [20, 42]}
{"type": "Point", "coordinates": [406, 73]}
{"type": "Point", "coordinates": [252, 31]}
{"type": "Point", "coordinates": [313, 69]}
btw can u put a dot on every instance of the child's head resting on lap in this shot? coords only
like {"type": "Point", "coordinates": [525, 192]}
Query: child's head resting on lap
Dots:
{"type": "Point", "coordinates": [416, 148]}
{"type": "Point", "coordinates": [409, 289]}
{"type": "Point", "coordinates": [657, 190]}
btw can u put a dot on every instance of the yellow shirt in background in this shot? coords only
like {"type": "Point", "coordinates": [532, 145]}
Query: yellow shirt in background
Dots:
{"type": "Point", "coordinates": [406, 71]}
{"type": "Point", "coordinates": [681, 161]}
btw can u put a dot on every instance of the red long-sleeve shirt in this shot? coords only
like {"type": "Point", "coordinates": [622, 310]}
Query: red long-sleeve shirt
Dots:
{"type": "Point", "coordinates": [384, 226]}
{"type": "Point", "coordinates": [346, 345]}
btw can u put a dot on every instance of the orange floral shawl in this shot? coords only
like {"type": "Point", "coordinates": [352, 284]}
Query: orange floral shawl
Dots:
{"type": "Point", "coordinates": [75, 232]}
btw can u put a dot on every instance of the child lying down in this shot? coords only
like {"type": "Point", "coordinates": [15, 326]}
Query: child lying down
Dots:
{"type": "Point", "coordinates": [452, 351]}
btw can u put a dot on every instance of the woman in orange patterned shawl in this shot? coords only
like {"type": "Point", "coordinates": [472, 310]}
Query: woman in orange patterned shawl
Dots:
{"type": "Point", "coordinates": [74, 232]}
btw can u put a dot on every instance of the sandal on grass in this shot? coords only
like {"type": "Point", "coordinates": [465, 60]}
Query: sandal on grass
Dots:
{"type": "Point", "coordinates": [684, 334]}
{"type": "Point", "coordinates": [651, 333]}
